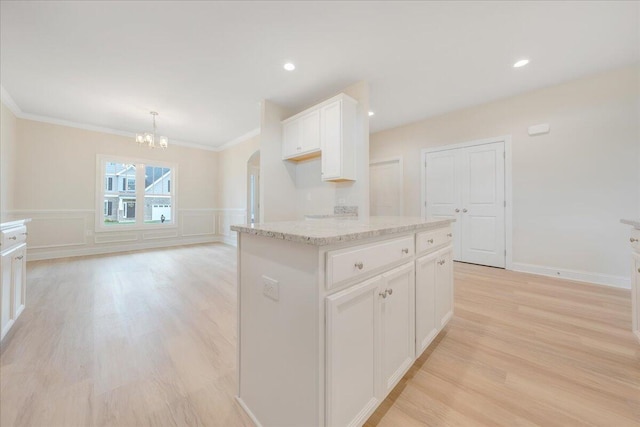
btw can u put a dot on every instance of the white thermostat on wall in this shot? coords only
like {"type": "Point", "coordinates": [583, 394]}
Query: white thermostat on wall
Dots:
{"type": "Point", "coordinates": [539, 129]}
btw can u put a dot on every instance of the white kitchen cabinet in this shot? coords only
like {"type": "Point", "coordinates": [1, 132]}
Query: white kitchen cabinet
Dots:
{"type": "Point", "coordinates": [444, 287]}
{"type": "Point", "coordinates": [635, 293]}
{"type": "Point", "coordinates": [426, 328]}
{"type": "Point", "coordinates": [337, 136]}
{"type": "Point", "coordinates": [342, 329]}
{"type": "Point", "coordinates": [327, 129]}
{"type": "Point", "coordinates": [13, 267]}
{"type": "Point", "coordinates": [397, 323]}
{"type": "Point", "coordinates": [302, 137]}
{"type": "Point", "coordinates": [353, 318]}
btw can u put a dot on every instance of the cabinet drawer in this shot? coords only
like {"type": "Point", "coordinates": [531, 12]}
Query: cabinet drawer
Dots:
{"type": "Point", "coordinates": [428, 240]}
{"type": "Point", "coordinates": [635, 239]}
{"type": "Point", "coordinates": [13, 237]}
{"type": "Point", "coordinates": [350, 263]}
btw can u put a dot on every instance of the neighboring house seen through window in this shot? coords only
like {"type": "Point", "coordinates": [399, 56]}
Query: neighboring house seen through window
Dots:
{"type": "Point", "coordinates": [131, 205]}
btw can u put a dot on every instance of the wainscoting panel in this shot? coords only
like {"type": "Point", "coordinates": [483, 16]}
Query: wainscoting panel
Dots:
{"type": "Point", "coordinates": [198, 222]}
{"type": "Point", "coordinates": [111, 237]}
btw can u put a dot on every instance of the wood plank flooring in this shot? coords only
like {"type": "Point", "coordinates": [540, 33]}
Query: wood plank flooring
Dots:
{"type": "Point", "coordinates": [148, 338]}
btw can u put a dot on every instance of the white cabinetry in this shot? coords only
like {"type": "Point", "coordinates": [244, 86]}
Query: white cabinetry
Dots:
{"type": "Point", "coordinates": [302, 137]}
{"type": "Point", "coordinates": [350, 320]}
{"type": "Point", "coordinates": [13, 268]}
{"type": "Point", "coordinates": [635, 276]}
{"type": "Point", "coordinates": [327, 129]}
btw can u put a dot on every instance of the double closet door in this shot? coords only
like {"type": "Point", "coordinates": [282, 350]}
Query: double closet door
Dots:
{"type": "Point", "coordinates": [468, 184]}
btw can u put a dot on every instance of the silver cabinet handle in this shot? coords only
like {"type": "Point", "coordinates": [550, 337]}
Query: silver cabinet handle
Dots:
{"type": "Point", "coordinates": [20, 257]}
{"type": "Point", "coordinates": [632, 240]}
{"type": "Point", "coordinates": [441, 262]}
{"type": "Point", "coordinates": [449, 234]}
{"type": "Point", "coordinates": [389, 291]}
{"type": "Point", "coordinates": [457, 210]}
{"type": "Point", "coordinates": [464, 210]}
{"type": "Point", "coordinates": [359, 265]}
{"type": "Point", "coordinates": [25, 234]}
{"type": "Point", "coordinates": [405, 250]}
{"type": "Point", "coordinates": [430, 241]}
{"type": "Point", "coordinates": [383, 294]}
{"type": "Point", "coordinates": [639, 270]}
{"type": "Point", "coordinates": [12, 238]}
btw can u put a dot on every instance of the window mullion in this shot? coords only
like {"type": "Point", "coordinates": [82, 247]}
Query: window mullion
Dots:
{"type": "Point", "coordinates": [140, 181]}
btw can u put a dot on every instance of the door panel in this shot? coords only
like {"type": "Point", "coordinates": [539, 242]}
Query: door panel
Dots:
{"type": "Point", "coordinates": [352, 351]}
{"type": "Point", "coordinates": [443, 191]}
{"type": "Point", "coordinates": [397, 325]}
{"type": "Point", "coordinates": [310, 131]}
{"type": "Point", "coordinates": [482, 225]}
{"type": "Point", "coordinates": [331, 140]}
{"type": "Point", "coordinates": [444, 287]}
{"type": "Point", "coordinates": [426, 328]}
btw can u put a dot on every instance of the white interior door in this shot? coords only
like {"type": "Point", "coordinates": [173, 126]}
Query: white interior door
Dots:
{"type": "Point", "coordinates": [483, 205]}
{"type": "Point", "coordinates": [443, 192]}
{"type": "Point", "coordinates": [468, 184]}
{"type": "Point", "coordinates": [385, 186]}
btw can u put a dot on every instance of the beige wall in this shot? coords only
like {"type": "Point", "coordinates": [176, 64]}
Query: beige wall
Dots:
{"type": "Point", "coordinates": [55, 184]}
{"type": "Point", "coordinates": [232, 173]}
{"type": "Point", "coordinates": [570, 187]}
{"type": "Point", "coordinates": [8, 143]}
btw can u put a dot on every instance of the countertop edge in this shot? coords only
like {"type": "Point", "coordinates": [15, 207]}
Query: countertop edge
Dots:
{"type": "Point", "coordinates": [631, 222]}
{"type": "Point", "coordinates": [347, 237]}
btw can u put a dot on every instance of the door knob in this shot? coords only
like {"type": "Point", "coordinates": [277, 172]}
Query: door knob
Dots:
{"type": "Point", "coordinates": [457, 210]}
{"type": "Point", "coordinates": [464, 211]}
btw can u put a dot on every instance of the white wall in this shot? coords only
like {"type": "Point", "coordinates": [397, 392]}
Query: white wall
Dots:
{"type": "Point", "coordinates": [54, 183]}
{"type": "Point", "coordinates": [8, 143]}
{"type": "Point", "coordinates": [570, 187]}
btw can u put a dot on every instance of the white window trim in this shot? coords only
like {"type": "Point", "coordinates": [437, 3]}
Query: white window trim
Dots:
{"type": "Point", "coordinates": [101, 159]}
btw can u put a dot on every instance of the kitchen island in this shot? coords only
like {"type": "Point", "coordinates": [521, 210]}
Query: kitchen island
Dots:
{"type": "Point", "coordinates": [332, 313]}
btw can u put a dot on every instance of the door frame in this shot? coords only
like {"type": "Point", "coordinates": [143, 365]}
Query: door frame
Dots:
{"type": "Point", "coordinates": [397, 159]}
{"type": "Point", "coordinates": [508, 185]}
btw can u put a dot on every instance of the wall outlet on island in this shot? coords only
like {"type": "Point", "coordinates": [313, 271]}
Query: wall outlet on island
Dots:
{"type": "Point", "coordinates": [270, 288]}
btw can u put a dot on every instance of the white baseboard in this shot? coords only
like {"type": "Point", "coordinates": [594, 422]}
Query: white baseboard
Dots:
{"type": "Point", "coordinates": [233, 241]}
{"type": "Point", "coordinates": [248, 411]}
{"type": "Point", "coordinates": [37, 255]}
{"type": "Point", "coordinates": [576, 275]}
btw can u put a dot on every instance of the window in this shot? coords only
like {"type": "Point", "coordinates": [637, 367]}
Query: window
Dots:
{"type": "Point", "coordinates": [130, 205]}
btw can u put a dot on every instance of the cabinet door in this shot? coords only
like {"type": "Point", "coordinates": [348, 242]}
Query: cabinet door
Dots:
{"type": "Point", "coordinates": [426, 327]}
{"type": "Point", "coordinates": [310, 131]}
{"type": "Point", "coordinates": [444, 287]}
{"type": "Point", "coordinates": [331, 140]}
{"type": "Point", "coordinates": [5, 295]}
{"type": "Point", "coordinates": [397, 323]}
{"type": "Point", "coordinates": [292, 143]}
{"type": "Point", "coordinates": [18, 280]}
{"type": "Point", "coordinates": [352, 353]}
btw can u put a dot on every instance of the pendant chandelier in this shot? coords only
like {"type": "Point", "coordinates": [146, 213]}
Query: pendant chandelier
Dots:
{"type": "Point", "coordinates": [150, 138]}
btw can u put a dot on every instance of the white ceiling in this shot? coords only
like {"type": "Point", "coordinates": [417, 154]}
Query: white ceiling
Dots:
{"type": "Point", "coordinates": [205, 66]}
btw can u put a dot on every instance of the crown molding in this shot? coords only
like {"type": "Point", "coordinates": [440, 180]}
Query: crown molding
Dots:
{"type": "Point", "coordinates": [240, 139]}
{"type": "Point", "coordinates": [8, 101]}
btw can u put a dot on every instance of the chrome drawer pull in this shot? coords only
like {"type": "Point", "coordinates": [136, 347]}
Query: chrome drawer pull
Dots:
{"type": "Point", "coordinates": [405, 250]}
{"type": "Point", "coordinates": [632, 240]}
{"type": "Point", "coordinates": [359, 265]}
{"type": "Point", "coordinates": [383, 294]}
{"type": "Point", "coordinates": [20, 257]}
{"type": "Point", "coordinates": [389, 291]}
{"type": "Point", "coordinates": [430, 241]}
{"type": "Point", "coordinates": [449, 235]}
{"type": "Point", "coordinates": [12, 238]}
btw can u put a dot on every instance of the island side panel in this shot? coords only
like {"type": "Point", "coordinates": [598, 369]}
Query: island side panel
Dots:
{"type": "Point", "coordinates": [278, 340]}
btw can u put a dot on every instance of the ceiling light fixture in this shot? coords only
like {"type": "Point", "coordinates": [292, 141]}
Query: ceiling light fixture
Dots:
{"type": "Point", "coordinates": [371, 113]}
{"type": "Point", "coordinates": [289, 66]}
{"type": "Point", "coordinates": [150, 138]}
{"type": "Point", "coordinates": [521, 63]}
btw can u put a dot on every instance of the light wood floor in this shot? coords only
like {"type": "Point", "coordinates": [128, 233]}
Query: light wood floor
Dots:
{"type": "Point", "coordinates": [148, 338]}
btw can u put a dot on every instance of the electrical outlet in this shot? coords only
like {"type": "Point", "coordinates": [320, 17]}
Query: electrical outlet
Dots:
{"type": "Point", "coordinates": [270, 287]}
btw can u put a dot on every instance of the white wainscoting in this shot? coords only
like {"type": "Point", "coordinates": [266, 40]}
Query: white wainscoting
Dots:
{"type": "Point", "coordinates": [63, 233]}
{"type": "Point", "coordinates": [575, 275]}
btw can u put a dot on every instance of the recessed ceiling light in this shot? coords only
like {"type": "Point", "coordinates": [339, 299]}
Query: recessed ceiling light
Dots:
{"type": "Point", "coordinates": [521, 63]}
{"type": "Point", "coordinates": [371, 113]}
{"type": "Point", "coordinates": [289, 66]}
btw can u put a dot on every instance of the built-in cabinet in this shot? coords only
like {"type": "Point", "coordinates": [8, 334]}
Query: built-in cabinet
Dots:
{"type": "Point", "coordinates": [347, 322]}
{"type": "Point", "coordinates": [327, 130]}
{"type": "Point", "coordinates": [13, 267]}
{"type": "Point", "coordinates": [634, 240]}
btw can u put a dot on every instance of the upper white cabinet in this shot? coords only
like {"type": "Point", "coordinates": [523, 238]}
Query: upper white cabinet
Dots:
{"type": "Point", "coordinates": [302, 137]}
{"type": "Point", "coordinates": [327, 129]}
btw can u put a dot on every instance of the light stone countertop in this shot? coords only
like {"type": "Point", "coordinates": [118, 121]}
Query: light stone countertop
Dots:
{"type": "Point", "coordinates": [329, 231]}
{"type": "Point", "coordinates": [631, 222]}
